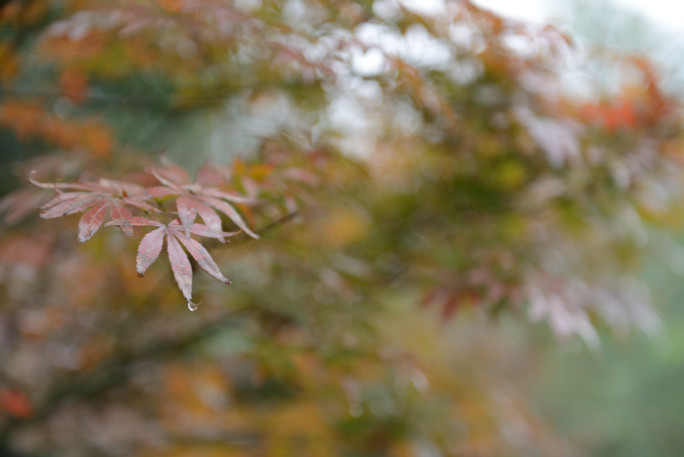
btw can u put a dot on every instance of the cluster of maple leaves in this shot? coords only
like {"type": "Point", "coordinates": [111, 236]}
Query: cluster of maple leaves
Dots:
{"type": "Point", "coordinates": [172, 207]}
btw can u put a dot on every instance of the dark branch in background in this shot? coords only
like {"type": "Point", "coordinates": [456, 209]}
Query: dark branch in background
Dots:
{"type": "Point", "coordinates": [50, 95]}
{"type": "Point", "coordinates": [201, 96]}
{"type": "Point", "coordinates": [243, 238]}
{"type": "Point", "coordinates": [113, 371]}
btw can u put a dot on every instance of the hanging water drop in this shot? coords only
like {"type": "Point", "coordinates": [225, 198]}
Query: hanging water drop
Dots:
{"type": "Point", "coordinates": [192, 306]}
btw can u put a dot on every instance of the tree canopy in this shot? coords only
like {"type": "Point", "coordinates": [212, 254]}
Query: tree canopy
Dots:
{"type": "Point", "coordinates": [362, 171]}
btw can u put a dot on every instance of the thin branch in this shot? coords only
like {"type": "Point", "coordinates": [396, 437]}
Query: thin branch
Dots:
{"type": "Point", "coordinates": [243, 238]}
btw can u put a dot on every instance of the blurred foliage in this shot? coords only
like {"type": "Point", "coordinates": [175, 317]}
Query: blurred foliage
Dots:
{"type": "Point", "coordinates": [437, 164]}
{"type": "Point", "coordinates": [631, 403]}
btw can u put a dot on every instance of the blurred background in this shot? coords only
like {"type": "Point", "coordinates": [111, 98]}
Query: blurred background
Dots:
{"type": "Point", "coordinates": [471, 228]}
{"type": "Point", "coordinates": [625, 399]}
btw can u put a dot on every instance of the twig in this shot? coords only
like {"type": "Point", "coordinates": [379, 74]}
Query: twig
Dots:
{"type": "Point", "coordinates": [242, 238]}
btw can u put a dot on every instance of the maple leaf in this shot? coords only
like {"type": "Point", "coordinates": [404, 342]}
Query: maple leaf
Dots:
{"type": "Point", "coordinates": [151, 246]}
{"type": "Point", "coordinates": [195, 199]}
{"type": "Point", "coordinates": [16, 205]}
{"type": "Point", "coordinates": [95, 200]}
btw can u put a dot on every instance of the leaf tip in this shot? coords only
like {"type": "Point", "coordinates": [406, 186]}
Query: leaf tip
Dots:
{"type": "Point", "coordinates": [250, 233]}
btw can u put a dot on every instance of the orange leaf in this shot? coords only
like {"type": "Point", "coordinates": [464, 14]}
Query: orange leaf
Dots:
{"type": "Point", "coordinates": [16, 403]}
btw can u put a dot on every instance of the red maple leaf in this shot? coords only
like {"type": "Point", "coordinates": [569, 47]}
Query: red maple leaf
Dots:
{"type": "Point", "coordinates": [151, 246]}
{"type": "Point", "coordinates": [96, 199]}
{"type": "Point", "coordinates": [195, 198]}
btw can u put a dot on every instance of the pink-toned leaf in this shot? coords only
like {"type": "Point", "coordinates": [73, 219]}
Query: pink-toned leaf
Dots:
{"type": "Point", "coordinates": [55, 185]}
{"type": "Point", "coordinates": [187, 213]}
{"type": "Point", "coordinates": [180, 265]}
{"type": "Point", "coordinates": [216, 193]}
{"type": "Point", "coordinates": [122, 188]}
{"type": "Point", "coordinates": [60, 198]}
{"type": "Point", "coordinates": [149, 249]}
{"type": "Point", "coordinates": [118, 212]}
{"type": "Point", "coordinates": [203, 230]}
{"type": "Point", "coordinates": [91, 222]}
{"type": "Point", "coordinates": [211, 219]}
{"type": "Point", "coordinates": [136, 203]}
{"type": "Point", "coordinates": [20, 203]}
{"type": "Point", "coordinates": [174, 172]}
{"type": "Point", "coordinates": [134, 221]}
{"type": "Point", "coordinates": [228, 210]}
{"type": "Point", "coordinates": [77, 204]}
{"type": "Point", "coordinates": [161, 192]}
{"type": "Point", "coordinates": [213, 174]}
{"type": "Point", "coordinates": [188, 208]}
{"type": "Point", "coordinates": [203, 258]}
{"type": "Point", "coordinates": [163, 179]}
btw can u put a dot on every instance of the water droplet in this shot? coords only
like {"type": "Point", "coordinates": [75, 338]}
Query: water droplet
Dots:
{"type": "Point", "coordinates": [192, 306]}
